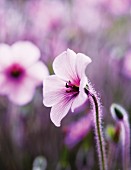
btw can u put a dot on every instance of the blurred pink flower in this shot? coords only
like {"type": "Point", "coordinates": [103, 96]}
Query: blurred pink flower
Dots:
{"type": "Point", "coordinates": [20, 71]}
{"type": "Point", "coordinates": [49, 14]}
{"type": "Point", "coordinates": [89, 18]}
{"type": "Point", "coordinates": [65, 90]}
{"type": "Point", "coordinates": [78, 130]}
{"type": "Point", "coordinates": [12, 22]}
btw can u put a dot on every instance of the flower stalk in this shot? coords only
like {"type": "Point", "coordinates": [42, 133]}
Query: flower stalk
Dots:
{"type": "Point", "coordinates": [120, 116]}
{"type": "Point", "coordinates": [113, 137]}
{"type": "Point", "coordinates": [98, 130]}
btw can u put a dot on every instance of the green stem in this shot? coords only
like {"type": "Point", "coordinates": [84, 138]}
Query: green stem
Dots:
{"type": "Point", "coordinates": [98, 132]}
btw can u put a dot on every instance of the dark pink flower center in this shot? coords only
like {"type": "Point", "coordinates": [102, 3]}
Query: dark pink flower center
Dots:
{"type": "Point", "coordinates": [15, 71]}
{"type": "Point", "coordinates": [71, 88]}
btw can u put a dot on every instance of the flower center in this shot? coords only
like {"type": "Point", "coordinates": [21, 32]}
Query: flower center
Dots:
{"type": "Point", "coordinates": [15, 71]}
{"type": "Point", "coordinates": [71, 88]}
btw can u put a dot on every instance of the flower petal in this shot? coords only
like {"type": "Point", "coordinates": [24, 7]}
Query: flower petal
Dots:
{"type": "Point", "coordinates": [82, 97]}
{"type": "Point", "coordinates": [5, 86]}
{"type": "Point", "coordinates": [18, 92]}
{"type": "Point", "coordinates": [64, 65]}
{"type": "Point", "coordinates": [37, 72]}
{"type": "Point", "coordinates": [22, 94]}
{"type": "Point", "coordinates": [59, 111]}
{"type": "Point", "coordinates": [25, 52]}
{"type": "Point", "coordinates": [5, 55]}
{"type": "Point", "coordinates": [81, 63]}
{"type": "Point", "coordinates": [21, 98]}
{"type": "Point", "coordinates": [53, 90]}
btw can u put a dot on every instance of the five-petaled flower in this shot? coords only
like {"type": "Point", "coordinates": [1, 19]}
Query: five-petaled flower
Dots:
{"type": "Point", "coordinates": [65, 90]}
{"type": "Point", "coordinates": [20, 71]}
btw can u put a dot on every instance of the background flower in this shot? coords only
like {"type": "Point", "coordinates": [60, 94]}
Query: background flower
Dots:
{"type": "Point", "coordinates": [76, 131]}
{"type": "Point", "coordinates": [20, 71]}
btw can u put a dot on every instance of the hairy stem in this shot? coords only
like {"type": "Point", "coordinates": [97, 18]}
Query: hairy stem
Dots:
{"type": "Point", "coordinates": [98, 131]}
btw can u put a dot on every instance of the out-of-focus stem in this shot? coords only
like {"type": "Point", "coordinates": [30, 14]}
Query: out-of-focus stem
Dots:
{"type": "Point", "coordinates": [112, 156]}
{"type": "Point", "coordinates": [113, 137]}
{"type": "Point", "coordinates": [98, 131]}
{"type": "Point", "coordinates": [126, 146]}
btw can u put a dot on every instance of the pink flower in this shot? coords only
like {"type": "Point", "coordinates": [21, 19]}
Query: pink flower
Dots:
{"type": "Point", "coordinates": [90, 12]}
{"type": "Point", "coordinates": [48, 13]}
{"type": "Point", "coordinates": [78, 130]}
{"type": "Point", "coordinates": [20, 71]}
{"type": "Point", "coordinates": [65, 90]}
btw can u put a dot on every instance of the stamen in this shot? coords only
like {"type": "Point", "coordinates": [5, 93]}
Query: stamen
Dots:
{"type": "Point", "coordinates": [71, 88]}
{"type": "Point", "coordinates": [67, 86]}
